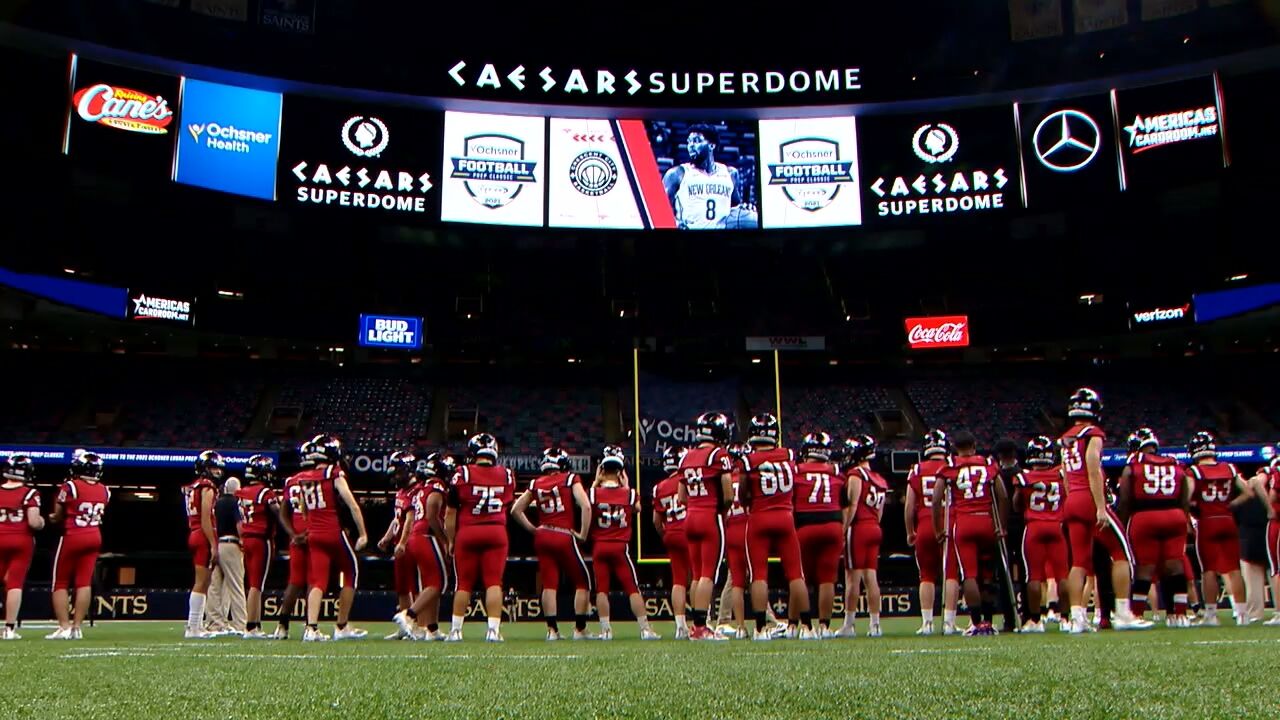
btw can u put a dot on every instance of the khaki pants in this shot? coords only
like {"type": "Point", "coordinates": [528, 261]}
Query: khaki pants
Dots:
{"type": "Point", "coordinates": [225, 606]}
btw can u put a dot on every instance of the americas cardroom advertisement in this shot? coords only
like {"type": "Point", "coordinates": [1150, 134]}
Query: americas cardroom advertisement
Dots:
{"type": "Point", "coordinates": [1170, 133]}
{"type": "Point", "coordinates": [493, 169]}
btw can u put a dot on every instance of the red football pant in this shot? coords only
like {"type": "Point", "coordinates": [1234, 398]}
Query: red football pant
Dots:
{"type": "Point", "coordinates": [405, 574]}
{"type": "Point", "coordinates": [863, 549]}
{"type": "Point", "coordinates": [200, 550]}
{"type": "Point", "coordinates": [1158, 535]}
{"type": "Point", "coordinates": [678, 551]}
{"type": "Point", "coordinates": [773, 533]}
{"type": "Point", "coordinates": [75, 559]}
{"type": "Point", "coordinates": [929, 554]}
{"type": "Point", "coordinates": [612, 558]}
{"type": "Point", "coordinates": [299, 562]}
{"type": "Point", "coordinates": [1081, 522]}
{"type": "Point", "coordinates": [326, 552]}
{"type": "Point", "coordinates": [704, 531]}
{"type": "Point", "coordinates": [1273, 546]}
{"type": "Point", "coordinates": [1044, 551]}
{"type": "Point", "coordinates": [15, 560]}
{"type": "Point", "coordinates": [426, 562]}
{"type": "Point", "coordinates": [1218, 544]}
{"type": "Point", "coordinates": [560, 557]}
{"type": "Point", "coordinates": [821, 546]}
{"type": "Point", "coordinates": [735, 550]}
{"type": "Point", "coordinates": [258, 552]}
{"type": "Point", "coordinates": [480, 551]}
{"type": "Point", "coordinates": [974, 539]}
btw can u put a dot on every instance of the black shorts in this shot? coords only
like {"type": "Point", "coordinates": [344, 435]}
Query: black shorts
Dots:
{"type": "Point", "coordinates": [1253, 544]}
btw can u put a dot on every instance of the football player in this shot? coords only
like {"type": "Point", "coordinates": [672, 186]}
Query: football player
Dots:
{"type": "Point", "coordinates": [323, 486]}
{"type": "Point", "coordinates": [613, 508]}
{"type": "Point", "coordinates": [821, 511]}
{"type": "Point", "coordinates": [79, 507]}
{"type": "Point", "coordinates": [476, 531]}
{"type": "Point", "coordinates": [259, 508]}
{"type": "Point", "coordinates": [400, 472]}
{"type": "Point", "coordinates": [976, 494]}
{"type": "Point", "coordinates": [1154, 496]}
{"type": "Point", "coordinates": [294, 521]}
{"type": "Point", "coordinates": [867, 492]}
{"type": "Point", "coordinates": [767, 490]}
{"type": "Point", "coordinates": [422, 540]}
{"type": "Point", "coordinates": [1217, 491]}
{"type": "Point", "coordinates": [706, 489]}
{"type": "Point", "coordinates": [1266, 487]}
{"type": "Point", "coordinates": [1041, 492]}
{"type": "Point", "coordinates": [20, 519]}
{"type": "Point", "coordinates": [1088, 517]}
{"type": "Point", "coordinates": [669, 520]}
{"type": "Point", "coordinates": [199, 496]}
{"type": "Point", "coordinates": [929, 550]}
{"type": "Point", "coordinates": [702, 191]}
{"type": "Point", "coordinates": [732, 618]}
{"type": "Point", "coordinates": [560, 499]}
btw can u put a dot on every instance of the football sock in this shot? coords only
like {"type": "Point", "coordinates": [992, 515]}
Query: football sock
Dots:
{"type": "Point", "coordinates": [988, 610]}
{"type": "Point", "coordinates": [10, 626]}
{"type": "Point", "coordinates": [760, 621]}
{"type": "Point", "coordinates": [926, 617]}
{"type": "Point", "coordinates": [1210, 610]}
{"type": "Point", "coordinates": [1178, 591]}
{"type": "Point", "coordinates": [494, 623]}
{"type": "Point", "coordinates": [1077, 614]}
{"type": "Point", "coordinates": [1035, 615]}
{"type": "Point", "coordinates": [606, 626]}
{"type": "Point", "coordinates": [949, 617]}
{"type": "Point", "coordinates": [806, 619]}
{"type": "Point", "coordinates": [341, 626]}
{"type": "Point", "coordinates": [250, 627]}
{"type": "Point", "coordinates": [975, 615]}
{"type": "Point", "coordinates": [313, 628]}
{"type": "Point", "coordinates": [456, 623]}
{"type": "Point", "coordinates": [553, 625]}
{"type": "Point", "coordinates": [1197, 607]}
{"type": "Point", "coordinates": [433, 627]}
{"type": "Point", "coordinates": [682, 622]}
{"type": "Point", "coordinates": [1139, 597]}
{"type": "Point", "coordinates": [195, 611]}
{"type": "Point", "coordinates": [412, 615]}
{"type": "Point", "coordinates": [284, 622]}
{"type": "Point", "coordinates": [1053, 606]}
{"type": "Point", "coordinates": [875, 619]}
{"type": "Point", "coordinates": [1122, 607]}
{"type": "Point", "coordinates": [580, 622]}
{"type": "Point", "coordinates": [699, 618]}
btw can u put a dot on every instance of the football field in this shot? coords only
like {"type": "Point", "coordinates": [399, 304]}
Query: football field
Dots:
{"type": "Point", "coordinates": [145, 670]}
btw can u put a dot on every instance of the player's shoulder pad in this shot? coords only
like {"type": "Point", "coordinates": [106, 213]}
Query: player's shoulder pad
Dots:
{"type": "Point", "coordinates": [263, 496]}
{"type": "Point", "coordinates": [591, 495]}
{"type": "Point", "coordinates": [31, 492]}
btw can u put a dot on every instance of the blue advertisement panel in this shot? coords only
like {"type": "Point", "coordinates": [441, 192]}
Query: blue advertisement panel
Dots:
{"type": "Point", "coordinates": [389, 331]}
{"type": "Point", "coordinates": [129, 457]}
{"type": "Point", "coordinates": [229, 139]}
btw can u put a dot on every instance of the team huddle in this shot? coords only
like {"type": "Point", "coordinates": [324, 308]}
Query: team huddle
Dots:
{"type": "Point", "coordinates": [721, 504]}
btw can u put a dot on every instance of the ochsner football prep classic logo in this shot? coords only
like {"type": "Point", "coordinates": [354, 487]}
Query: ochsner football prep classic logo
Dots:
{"type": "Point", "coordinates": [1153, 131]}
{"type": "Point", "coordinates": [811, 172]}
{"type": "Point", "coordinates": [495, 169]}
{"type": "Point", "coordinates": [123, 109]}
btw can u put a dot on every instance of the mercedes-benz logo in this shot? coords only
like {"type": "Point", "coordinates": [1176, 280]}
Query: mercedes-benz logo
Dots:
{"type": "Point", "coordinates": [1066, 140]}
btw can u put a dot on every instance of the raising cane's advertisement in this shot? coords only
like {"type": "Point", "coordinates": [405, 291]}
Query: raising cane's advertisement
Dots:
{"type": "Point", "coordinates": [120, 118]}
{"type": "Point", "coordinates": [940, 331]}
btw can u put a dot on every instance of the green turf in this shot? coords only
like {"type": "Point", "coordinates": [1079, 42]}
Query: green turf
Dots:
{"type": "Point", "coordinates": [145, 670]}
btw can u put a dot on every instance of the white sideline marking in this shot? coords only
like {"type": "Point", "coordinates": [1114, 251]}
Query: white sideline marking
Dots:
{"type": "Point", "coordinates": [89, 653]}
{"type": "Point", "coordinates": [940, 651]}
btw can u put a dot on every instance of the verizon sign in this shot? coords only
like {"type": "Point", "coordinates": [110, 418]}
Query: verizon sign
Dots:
{"type": "Point", "coordinates": [942, 331]}
{"type": "Point", "coordinates": [1161, 315]}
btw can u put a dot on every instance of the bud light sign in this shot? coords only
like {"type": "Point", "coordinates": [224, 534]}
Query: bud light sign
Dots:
{"type": "Point", "coordinates": [386, 331]}
{"type": "Point", "coordinates": [938, 332]}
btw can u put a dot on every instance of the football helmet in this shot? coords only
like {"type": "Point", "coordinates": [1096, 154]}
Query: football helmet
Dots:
{"type": "Point", "coordinates": [671, 459]}
{"type": "Point", "coordinates": [1085, 404]}
{"type": "Point", "coordinates": [436, 465]}
{"type": "Point", "coordinates": [400, 466]}
{"type": "Point", "coordinates": [859, 448]}
{"type": "Point", "coordinates": [763, 429]}
{"type": "Point", "coordinates": [260, 468]}
{"type": "Point", "coordinates": [326, 448]}
{"type": "Point", "coordinates": [306, 455]}
{"type": "Point", "coordinates": [483, 445]}
{"type": "Point", "coordinates": [20, 468]}
{"type": "Point", "coordinates": [936, 443]}
{"type": "Point", "coordinates": [1143, 438]}
{"type": "Point", "coordinates": [613, 456]}
{"type": "Point", "coordinates": [738, 449]}
{"type": "Point", "coordinates": [816, 446]}
{"type": "Point", "coordinates": [711, 427]}
{"type": "Point", "coordinates": [1202, 445]}
{"type": "Point", "coordinates": [87, 465]}
{"type": "Point", "coordinates": [210, 464]}
{"type": "Point", "coordinates": [554, 459]}
{"type": "Point", "coordinates": [1042, 452]}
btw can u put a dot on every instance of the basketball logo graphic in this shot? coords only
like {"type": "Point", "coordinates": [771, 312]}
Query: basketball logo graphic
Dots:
{"type": "Point", "coordinates": [593, 173]}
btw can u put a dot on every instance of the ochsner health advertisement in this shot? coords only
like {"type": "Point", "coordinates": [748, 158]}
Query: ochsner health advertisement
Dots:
{"type": "Point", "coordinates": [229, 139]}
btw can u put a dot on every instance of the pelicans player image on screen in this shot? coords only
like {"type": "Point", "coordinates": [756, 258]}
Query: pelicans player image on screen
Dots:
{"type": "Point", "coordinates": [706, 488]}
{"type": "Point", "coordinates": [669, 520]}
{"type": "Point", "coordinates": [476, 528]}
{"type": "Point", "coordinates": [400, 473]}
{"type": "Point", "coordinates": [422, 541]}
{"type": "Point", "coordinates": [79, 506]}
{"type": "Point", "coordinates": [1155, 493]}
{"type": "Point", "coordinates": [702, 191]}
{"type": "Point", "coordinates": [1218, 490]}
{"type": "Point", "coordinates": [821, 510]}
{"type": "Point", "coordinates": [199, 496]}
{"type": "Point", "coordinates": [614, 505]}
{"type": "Point", "coordinates": [259, 508]}
{"type": "Point", "coordinates": [558, 496]}
{"type": "Point", "coordinates": [19, 521]}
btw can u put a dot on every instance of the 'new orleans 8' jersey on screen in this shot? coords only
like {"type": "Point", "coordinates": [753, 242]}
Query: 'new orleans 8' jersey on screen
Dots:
{"type": "Point", "coordinates": [703, 200]}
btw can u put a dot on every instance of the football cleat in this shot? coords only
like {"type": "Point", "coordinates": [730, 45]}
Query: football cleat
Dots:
{"type": "Point", "coordinates": [875, 631]}
{"type": "Point", "coordinates": [949, 629]}
{"type": "Point", "coordinates": [397, 635]}
{"type": "Point", "coordinates": [846, 631]}
{"type": "Point", "coordinates": [436, 636]}
{"type": "Point", "coordinates": [581, 635]}
{"type": "Point", "coordinates": [649, 634]}
{"type": "Point", "coordinates": [1031, 626]}
{"type": "Point", "coordinates": [739, 634]}
{"type": "Point", "coordinates": [349, 633]}
{"type": "Point", "coordinates": [826, 634]}
{"type": "Point", "coordinates": [10, 634]}
{"type": "Point", "coordinates": [1052, 617]}
{"type": "Point", "coordinates": [973, 630]}
{"type": "Point", "coordinates": [1274, 621]}
{"type": "Point", "coordinates": [761, 636]}
{"type": "Point", "coordinates": [925, 629]}
{"type": "Point", "coordinates": [404, 624]}
{"type": "Point", "coordinates": [807, 633]}
{"type": "Point", "coordinates": [312, 635]}
{"type": "Point", "coordinates": [279, 634]}
{"type": "Point", "coordinates": [1127, 621]}
{"type": "Point", "coordinates": [1210, 621]}
{"type": "Point", "coordinates": [605, 635]}
{"type": "Point", "coordinates": [1176, 621]}
{"type": "Point", "coordinates": [682, 633]}
{"type": "Point", "coordinates": [191, 635]}
{"type": "Point", "coordinates": [493, 636]}
{"type": "Point", "coordinates": [706, 634]}
{"type": "Point", "coordinates": [552, 635]}
{"type": "Point", "coordinates": [726, 629]}
{"type": "Point", "coordinates": [255, 635]}
{"type": "Point", "coordinates": [76, 634]}
{"type": "Point", "coordinates": [454, 636]}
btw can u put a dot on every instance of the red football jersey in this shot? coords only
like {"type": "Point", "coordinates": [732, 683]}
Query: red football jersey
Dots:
{"type": "Point", "coordinates": [14, 502]}
{"type": "Point", "coordinates": [922, 477]}
{"type": "Point", "coordinates": [255, 510]}
{"type": "Point", "coordinates": [701, 469]}
{"type": "Point", "coordinates": [666, 499]}
{"type": "Point", "coordinates": [191, 498]}
{"type": "Point", "coordinates": [422, 492]}
{"type": "Point", "coordinates": [553, 495]}
{"type": "Point", "coordinates": [1042, 490]}
{"type": "Point", "coordinates": [1074, 443]}
{"type": "Point", "coordinates": [320, 499]}
{"type": "Point", "coordinates": [482, 494]}
{"type": "Point", "coordinates": [293, 494]}
{"type": "Point", "coordinates": [403, 501]}
{"type": "Point", "coordinates": [1155, 481]}
{"type": "Point", "coordinates": [770, 478]}
{"type": "Point", "coordinates": [612, 512]}
{"type": "Point", "coordinates": [1272, 484]}
{"type": "Point", "coordinates": [819, 488]}
{"type": "Point", "coordinates": [1212, 493]}
{"type": "Point", "coordinates": [85, 502]}
{"type": "Point", "coordinates": [970, 479]}
{"type": "Point", "coordinates": [868, 507]}
{"type": "Point", "coordinates": [737, 512]}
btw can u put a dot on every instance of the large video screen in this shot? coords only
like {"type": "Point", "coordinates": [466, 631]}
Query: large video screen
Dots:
{"type": "Point", "coordinates": [1068, 150]}
{"type": "Point", "coordinates": [493, 169]}
{"type": "Point", "coordinates": [121, 119]}
{"type": "Point", "coordinates": [809, 172]}
{"type": "Point", "coordinates": [591, 183]}
{"type": "Point", "coordinates": [945, 163]}
{"type": "Point", "coordinates": [359, 156]}
{"type": "Point", "coordinates": [1170, 133]}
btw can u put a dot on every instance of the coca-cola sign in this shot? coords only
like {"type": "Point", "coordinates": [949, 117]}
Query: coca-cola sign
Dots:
{"type": "Point", "coordinates": [941, 331]}
{"type": "Point", "coordinates": [123, 109]}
